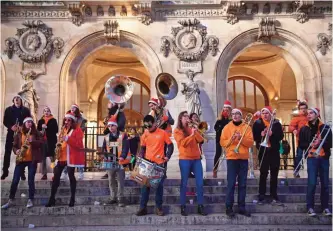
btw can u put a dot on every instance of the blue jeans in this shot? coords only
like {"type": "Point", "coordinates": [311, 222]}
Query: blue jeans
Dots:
{"type": "Point", "coordinates": [187, 166]}
{"type": "Point", "coordinates": [236, 169]}
{"type": "Point", "coordinates": [318, 166]}
{"type": "Point", "coordinates": [79, 169]}
{"type": "Point", "coordinates": [145, 191]}
{"type": "Point", "coordinates": [17, 175]}
{"type": "Point", "coordinates": [298, 158]}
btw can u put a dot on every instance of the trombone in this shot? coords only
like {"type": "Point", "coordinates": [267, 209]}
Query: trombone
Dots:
{"type": "Point", "coordinates": [247, 120]}
{"type": "Point", "coordinates": [328, 127]}
{"type": "Point", "coordinates": [265, 142]}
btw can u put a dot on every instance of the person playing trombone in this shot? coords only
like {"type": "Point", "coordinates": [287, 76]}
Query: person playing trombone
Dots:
{"type": "Point", "coordinates": [267, 133]}
{"type": "Point", "coordinates": [237, 138]}
{"type": "Point", "coordinates": [318, 153]}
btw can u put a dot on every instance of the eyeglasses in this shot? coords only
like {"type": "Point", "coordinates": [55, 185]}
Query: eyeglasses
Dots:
{"type": "Point", "coordinates": [147, 125]}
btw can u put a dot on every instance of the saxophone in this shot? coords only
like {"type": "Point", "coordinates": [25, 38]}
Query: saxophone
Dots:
{"type": "Point", "coordinates": [57, 150]}
{"type": "Point", "coordinates": [24, 148]}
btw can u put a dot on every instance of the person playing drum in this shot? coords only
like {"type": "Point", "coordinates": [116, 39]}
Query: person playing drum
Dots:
{"type": "Point", "coordinates": [152, 149]}
{"type": "Point", "coordinates": [121, 149]}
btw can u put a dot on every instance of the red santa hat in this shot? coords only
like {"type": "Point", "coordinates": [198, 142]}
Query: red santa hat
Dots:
{"type": "Point", "coordinates": [236, 110]}
{"type": "Point", "coordinates": [28, 119]}
{"type": "Point", "coordinates": [153, 101]}
{"type": "Point", "coordinates": [268, 109]}
{"type": "Point", "coordinates": [75, 105]}
{"type": "Point", "coordinates": [112, 121]}
{"type": "Point", "coordinates": [227, 103]}
{"type": "Point", "coordinates": [70, 115]}
{"type": "Point", "coordinates": [315, 110]}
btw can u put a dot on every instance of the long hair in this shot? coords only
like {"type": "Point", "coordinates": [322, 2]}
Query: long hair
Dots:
{"type": "Point", "coordinates": [77, 112]}
{"type": "Point", "coordinates": [73, 125]}
{"type": "Point", "coordinates": [25, 130]}
{"type": "Point", "coordinates": [180, 124]}
{"type": "Point", "coordinates": [192, 114]}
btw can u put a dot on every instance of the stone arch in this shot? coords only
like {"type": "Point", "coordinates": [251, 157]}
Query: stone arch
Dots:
{"type": "Point", "coordinates": [3, 90]}
{"type": "Point", "coordinates": [296, 52]}
{"type": "Point", "coordinates": [92, 42]}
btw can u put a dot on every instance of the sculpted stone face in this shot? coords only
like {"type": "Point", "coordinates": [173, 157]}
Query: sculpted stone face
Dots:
{"type": "Point", "coordinates": [33, 42]}
{"type": "Point", "coordinates": [189, 41]}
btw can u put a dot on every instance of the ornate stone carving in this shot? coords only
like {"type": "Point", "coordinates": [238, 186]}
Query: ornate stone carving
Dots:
{"type": "Point", "coordinates": [290, 8]}
{"type": "Point", "coordinates": [324, 40]}
{"type": "Point", "coordinates": [267, 29]}
{"type": "Point", "coordinates": [302, 10]}
{"type": "Point", "coordinates": [255, 9]}
{"type": "Point", "coordinates": [146, 18]}
{"type": "Point", "coordinates": [88, 11]}
{"type": "Point", "coordinates": [112, 11]}
{"type": "Point", "coordinates": [190, 41]}
{"type": "Point", "coordinates": [76, 12]}
{"type": "Point", "coordinates": [123, 11]}
{"type": "Point", "coordinates": [278, 8]}
{"type": "Point", "coordinates": [232, 8]}
{"type": "Point", "coordinates": [267, 8]}
{"type": "Point", "coordinates": [135, 10]}
{"type": "Point", "coordinates": [100, 11]}
{"type": "Point", "coordinates": [191, 91]}
{"type": "Point", "coordinates": [111, 31]}
{"type": "Point", "coordinates": [34, 44]}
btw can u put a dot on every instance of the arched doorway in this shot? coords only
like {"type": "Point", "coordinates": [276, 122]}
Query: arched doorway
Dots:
{"type": "Point", "coordinates": [69, 74]}
{"type": "Point", "coordinates": [298, 55]}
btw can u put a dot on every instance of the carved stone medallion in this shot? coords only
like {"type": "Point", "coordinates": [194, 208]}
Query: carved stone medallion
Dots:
{"type": "Point", "coordinates": [190, 41]}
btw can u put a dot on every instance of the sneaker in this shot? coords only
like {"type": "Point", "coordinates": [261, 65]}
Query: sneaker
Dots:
{"type": "Point", "coordinates": [311, 213]}
{"type": "Point", "coordinates": [159, 212]}
{"type": "Point", "coordinates": [44, 177]}
{"type": "Point", "coordinates": [121, 203]}
{"type": "Point", "coordinates": [297, 175]}
{"type": "Point", "coordinates": [276, 202]}
{"type": "Point", "coordinates": [30, 204]}
{"type": "Point", "coordinates": [10, 203]}
{"type": "Point", "coordinates": [81, 176]}
{"type": "Point", "coordinates": [112, 202]}
{"type": "Point", "coordinates": [230, 213]}
{"type": "Point", "coordinates": [327, 212]}
{"type": "Point", "coordinates": [261, 200]}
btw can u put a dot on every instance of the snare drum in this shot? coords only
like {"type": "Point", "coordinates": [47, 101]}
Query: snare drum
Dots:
{"type": "Point", "coordinates": [109, 161]}
{"type": "Point", "coordinates": [147, 173]}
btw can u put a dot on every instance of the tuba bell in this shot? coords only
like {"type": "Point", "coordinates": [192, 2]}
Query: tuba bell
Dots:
{"type": "Point", "coordinates": [166, 87]}
{"type": "Point", "coordinates": [119, 89]}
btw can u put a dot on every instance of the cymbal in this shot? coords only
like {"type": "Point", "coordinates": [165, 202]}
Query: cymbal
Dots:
{"type": "Point", "coordinates": [88, 150]}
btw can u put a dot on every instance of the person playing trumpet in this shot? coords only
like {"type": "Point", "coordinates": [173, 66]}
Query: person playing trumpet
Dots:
{"type": "Point", "coordinates": [27, 147]}
{"type": "Point", "coordinates": [188, 140]}
{"type": "Point", "coordinates": [237, 138]}
{"type": "Point", "coordinates": [270, 129]}
{"type": "Point", "coordinates": [316, 131]}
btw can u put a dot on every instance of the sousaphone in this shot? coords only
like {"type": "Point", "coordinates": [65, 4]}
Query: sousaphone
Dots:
{"type": "Point", "coordinates": [119, 89]}
{"type": "Point", "coordinates": [166, 87]}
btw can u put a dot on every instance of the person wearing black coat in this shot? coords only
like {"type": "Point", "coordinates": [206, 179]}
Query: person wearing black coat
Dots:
{"type": "Point", "coordinates": [49, 127]}
{"type": "Point", "coordinates": [224, 119]}
{"type": "Point", "coordinates": [13, 114]}
{"type": "Point", "coordinates": [316, 165]}
{"type": "Point", "coordinates": [269, 157]}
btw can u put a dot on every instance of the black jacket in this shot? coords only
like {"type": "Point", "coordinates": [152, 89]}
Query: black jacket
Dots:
{"type": "Point", "coordinates": [9, 120]}
{"type": "Point", "coordinates": [51, 134]}
{"type": "Point", "coordinates": [274, 139]}
{"type": "Point", "coordinates": [307, 133]}
{"type": "Point", "coordinates": [219, 125]}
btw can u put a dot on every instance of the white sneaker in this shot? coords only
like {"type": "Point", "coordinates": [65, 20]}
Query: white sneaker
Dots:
{"type": "Point", "coordinates": [10, 203]}
{"type": "Point", "coordinates": [30, 204]}
{"type": "Point", "coordinates": [64, 176]}
{"type": "Point", "coordinates": [311, 213]}
{"type": "Point", "coordinates": [327, 212]}
{"type": "Point", "coordinates": [81, 176]}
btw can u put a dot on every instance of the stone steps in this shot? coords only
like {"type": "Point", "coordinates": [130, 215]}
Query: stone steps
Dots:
{"type": "Point", "coordinates": [169, 220]}
{"type": "Point", "coordinates": [167, 199]}
{"type": "Point", "coordinates": [132, 209]}
{"type": "Point", "coordinates": [184, 228]}
{"type": "Point", "coordinates": [100, 191]}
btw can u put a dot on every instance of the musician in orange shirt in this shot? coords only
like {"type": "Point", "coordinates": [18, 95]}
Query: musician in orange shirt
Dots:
{"type": "Point", "coordinates": [237, 163]}
{"type": "Point", "coordinates": [188, 140]}
{"type": "Point", "coordinates": [295, 126]}
{"type": "Point", "coordinates": [152, 149]}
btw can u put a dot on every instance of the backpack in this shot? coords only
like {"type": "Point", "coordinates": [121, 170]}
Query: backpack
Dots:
{"type": "Point", "coordinates": [286, 147]}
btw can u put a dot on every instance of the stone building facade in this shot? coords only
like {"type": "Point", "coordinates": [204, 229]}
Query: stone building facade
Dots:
{"type": "Point", "coordinates": [277, 51]}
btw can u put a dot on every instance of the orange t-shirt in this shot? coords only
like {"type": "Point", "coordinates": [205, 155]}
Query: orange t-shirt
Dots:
{"type": "Point", "coordinates": [297, 123]}
{"type": "Point", "coordinates": [247, 141]}
{"type": "Point", "coordinates": [28, 155]}
{"type": "Point", "coordinates": [154, 143]}
{"type": "Point", "coordinates": [188, 146]}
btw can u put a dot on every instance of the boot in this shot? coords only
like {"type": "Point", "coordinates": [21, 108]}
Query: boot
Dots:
{"type": "Point", "coordinates": [142, 212]}
{"type": "Point", "coordinates": [159, 212]}
{"type": "Point", "coordinates": [4, 175]}
{"type": "Point", "coordinates": [201, 210]}
{"type": "Point", "coordinates": [183, 210]}
{"type": "Point", "coordinates": [71, 202]}
{"type": "Point", "coordinates": [51, 202]}
{"type": "Point", "coordinates": [244, 213]}
{"type": "Point", "coordinates": [214, 174]}
{"type": "Point", "coordinates": [230, 213]}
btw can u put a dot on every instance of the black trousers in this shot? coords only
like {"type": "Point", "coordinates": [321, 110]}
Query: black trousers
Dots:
{"type": "Point", "coordinates": [56, 180]}
{"type": "Point", "coordinates": [270, 162]}
{"type": "Point", "coordinates": [218, 154]}
{"type": "Point", "coordinates": [8, 151]}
